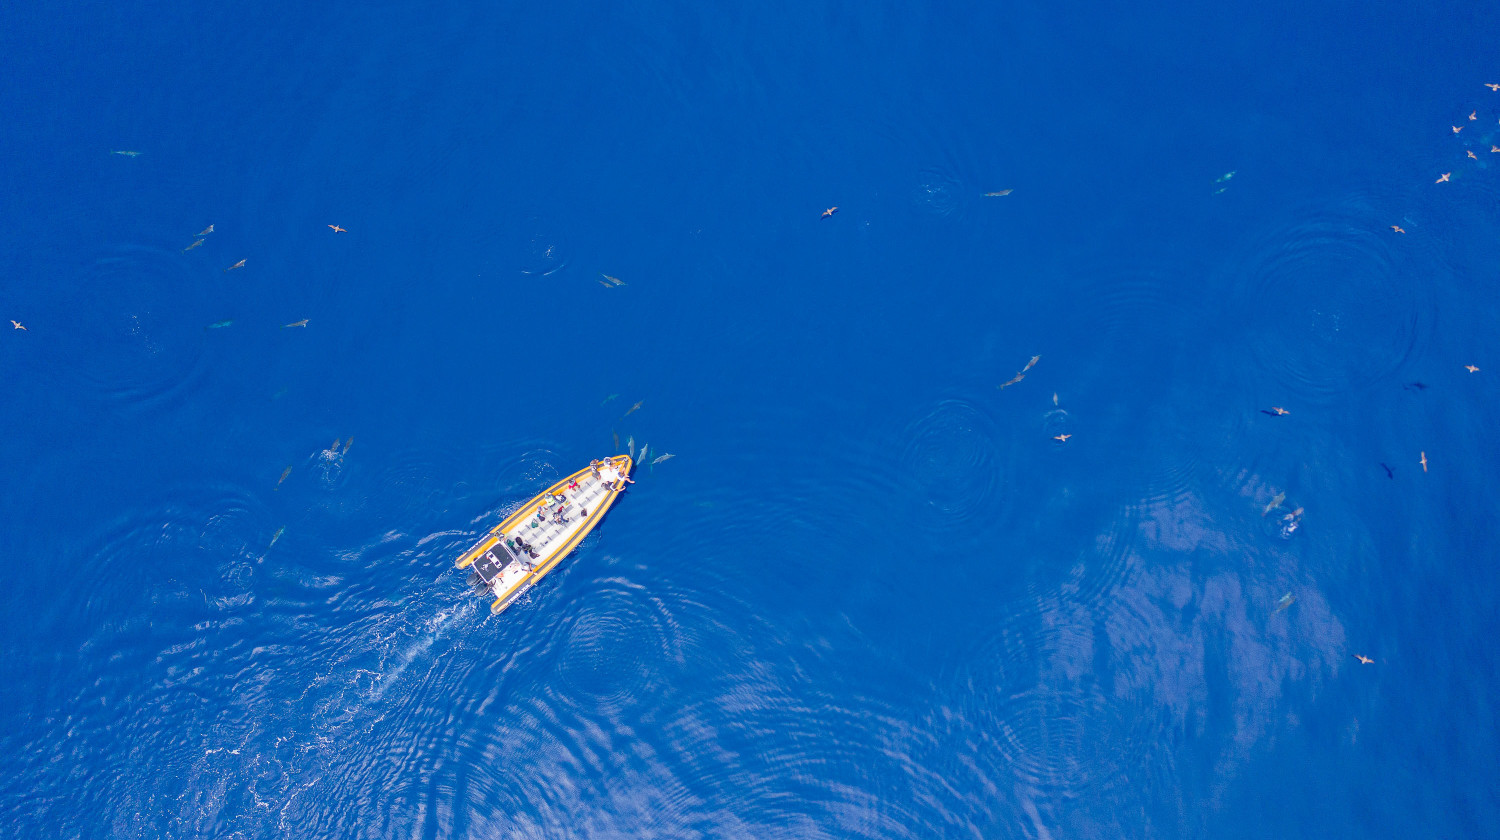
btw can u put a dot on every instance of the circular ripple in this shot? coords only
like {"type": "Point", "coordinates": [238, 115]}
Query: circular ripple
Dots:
{"type": "Point", "coordinates": [234, 528]}
{"type": "Point", "coordinates": [940, 194]}
{"type": "Point", "coordinates": [614, 644]}
{"type": "Point", "coordinates": [141, 315]}
{"type": "Point", "coordinates": [536, 248]}
{"type": "Point", "coordinates": [1326, 307]}
{"type": "Point", "coordinates": [1149, 305]}
{"type": "Point", "coordinates": [114, 584]}
{"type": "Point", "coordinates": [1032, 708]}
{"type": "Point", "coordinates": [951, 455]}
{"type": "Point", "coordinates": [1102, 566]}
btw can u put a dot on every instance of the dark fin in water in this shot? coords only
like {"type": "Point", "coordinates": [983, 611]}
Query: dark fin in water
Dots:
{"type": "Point", "coordinates": [1388, 472]}
{"type": "Point", "coordinates": [1416, 386]}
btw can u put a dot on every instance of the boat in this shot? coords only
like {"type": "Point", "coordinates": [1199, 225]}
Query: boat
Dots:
{"type": "Point", "coordinates": [520, 551]}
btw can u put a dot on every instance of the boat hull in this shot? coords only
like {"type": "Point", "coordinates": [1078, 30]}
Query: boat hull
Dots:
{"type": "Point", "coordinates": [514, 555]}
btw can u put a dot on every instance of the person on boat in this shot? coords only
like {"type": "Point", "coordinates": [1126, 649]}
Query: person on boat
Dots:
{"type": "Point", "coordinates": [623, 480]}
{"type": "Point", "coordinates": [595, 465]}
{"type": "Point", "coordinates": [573, 485]}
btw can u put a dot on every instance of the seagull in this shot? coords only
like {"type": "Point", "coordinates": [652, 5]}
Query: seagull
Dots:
{"type": "Point", "coordinates": [16, 325]}
{"type": "Point", "coordinates": [1492, 86]}
{"type": "Point", "coordinates": [1469, 368]}
{"type": "Point", "coordinates": [1364, 660]}
{"type": "Point", "coordinates": [337, 229]}
{"type": "Point", "coordinates": [1279, 411]}
{"type": "Point", "coordinates": [1473, 115]}
{"type": "Point", "coordinates": [1472, 155]}
{"type": "Point", "coordinates": [1397, 228]}
{"type": "Point", "coordinates": [1495, 148]}
{"type": "Point", "coordinates": [1061, 438]}
{"type": "Point", "coordinates": [829, 212]}
{"type": "Point", "coordinates": [1424, 461]}
{"type": "Point", "coordinates": [1457, 128]}
{"type": "Point", "coordinates": [1443, 178]}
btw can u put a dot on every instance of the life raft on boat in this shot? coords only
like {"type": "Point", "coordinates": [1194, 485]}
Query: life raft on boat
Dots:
{"type": "Point", "coordinates": [520, 551]}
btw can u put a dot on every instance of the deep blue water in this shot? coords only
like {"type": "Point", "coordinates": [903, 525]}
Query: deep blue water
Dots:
{"type": "Point", "coordinates": [871, 596]}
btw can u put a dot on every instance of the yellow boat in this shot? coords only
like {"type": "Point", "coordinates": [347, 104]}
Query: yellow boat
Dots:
{"type": "Point", "coordinates": [520, 551]}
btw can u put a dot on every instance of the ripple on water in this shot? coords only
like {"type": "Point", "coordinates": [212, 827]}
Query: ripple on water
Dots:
{"type": "Point", "coordinates": [1134, 308]}
{"type": "Point", "coordinates": [941, 194]}
{"type": "Point", "coordinates": [536, 246]}
{"type": "Point", "coordinates": [1033, 709]}
{"type": "Point", "coordinates": [592, 729]}
{"type": "Point", "coordinates": [616, 641]}
{"type": "Point", "coordinates": [1326, 306]}
{"type": "Point", "coordinates": [141, 317]}
{"type": "Point", "coordinates": [236, 535]}
{"type": "Point", "coordinates": [159, 539]}
{"type": "Point", "coordinates": [952, 456]}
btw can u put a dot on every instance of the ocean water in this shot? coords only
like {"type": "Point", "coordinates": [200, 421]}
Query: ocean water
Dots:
{"type": "Point", "coordinates": [872, 596]}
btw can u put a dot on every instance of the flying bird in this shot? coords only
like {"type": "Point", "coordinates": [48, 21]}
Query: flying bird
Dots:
{"type": "Point", "coordinates": [1061, 438]}
{"type": "Point", "coordinates": [1492, 86]}
{"type": "Point", "coordinates": [1424, 461]}
{"type": "Point", "coordinates": [1469, 368]}
{"type": "Point", "coordinates": [1397, 228]}
{"type": "Point", "coordinates": [1457, 128]}
{"type": "Point", "coordinates": [1364, 660]}
{"type": "Point", "coordinates": [1443, 178]}
{"type": "Point", "coordinates": [1473, 115]}
{"type": "Point", "coordinates": [17, 325]}
{"type": "Point", "coordinates": [1279, 411]}
{"type": "Point", "coordinates": [1472, 155]}
{"type": "Point", "coordinates": [337, 229]}
{"type": "Point", "coordinates": [1495, 148]}
{"type": "Point", "coordinates": [829, 212]}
